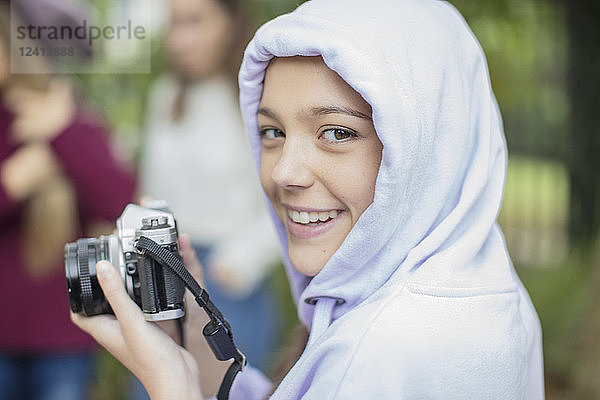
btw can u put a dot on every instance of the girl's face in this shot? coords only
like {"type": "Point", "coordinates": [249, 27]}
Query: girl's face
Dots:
{"type": "Point", "coordinates": [199, 37]}
{"type": "Point", "coordinates": [320, 156]}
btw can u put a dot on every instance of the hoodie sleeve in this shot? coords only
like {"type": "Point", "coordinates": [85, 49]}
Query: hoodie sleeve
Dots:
{"type": "Point", "coordinates": [103, 184]}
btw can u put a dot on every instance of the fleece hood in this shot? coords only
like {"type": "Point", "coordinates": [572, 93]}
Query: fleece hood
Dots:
{"type": "Point", "coordinates": [441, 178]}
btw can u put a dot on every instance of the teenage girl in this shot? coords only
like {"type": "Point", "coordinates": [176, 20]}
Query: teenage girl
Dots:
{"type": "Point", "coordinates": [380, 149]}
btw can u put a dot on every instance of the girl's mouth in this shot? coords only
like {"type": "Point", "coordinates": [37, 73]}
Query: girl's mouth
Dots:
{"type": "Point", "coordinates": [305, 225]}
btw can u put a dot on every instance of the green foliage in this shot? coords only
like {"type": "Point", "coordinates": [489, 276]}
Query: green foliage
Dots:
{"type": "Point", "coordinates": [526, 46]}
{"type": "Point", "coordinates": [536, 194]}
{"type": "Point", "coordinates": [565, 298]}
{"type": "Point", "coordinates": [265, 10]}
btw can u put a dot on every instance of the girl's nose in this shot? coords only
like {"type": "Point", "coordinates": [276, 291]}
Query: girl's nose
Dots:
{"type": "Point", "coordinates": [291, 171]}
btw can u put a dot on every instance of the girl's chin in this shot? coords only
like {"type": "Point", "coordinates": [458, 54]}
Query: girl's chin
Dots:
{"type": "Point", "coordinates": [305, 264]}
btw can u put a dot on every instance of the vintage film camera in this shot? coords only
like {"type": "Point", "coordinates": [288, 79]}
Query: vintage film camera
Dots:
{"type": "Point", "coordinates": [156, 289]}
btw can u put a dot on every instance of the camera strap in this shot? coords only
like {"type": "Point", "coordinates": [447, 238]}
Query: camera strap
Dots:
{"type": "Point", "coordinates": [217, 332]}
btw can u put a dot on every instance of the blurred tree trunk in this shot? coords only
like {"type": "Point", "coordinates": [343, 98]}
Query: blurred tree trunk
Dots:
{"type": "Point", "coordinates": [583, 26]}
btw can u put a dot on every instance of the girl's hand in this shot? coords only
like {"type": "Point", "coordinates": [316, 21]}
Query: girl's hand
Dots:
{"type": "Point", "coordinates": [165, 369]}
{"type": "Point", "coordinates": [211, 370]}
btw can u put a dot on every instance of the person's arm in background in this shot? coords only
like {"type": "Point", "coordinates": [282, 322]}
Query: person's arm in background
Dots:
{"type": "Point", "coordinates": [54, 131]}
{"type": "Point", "coordinates": [103, 185]}
{"type": "Point", "coordinates": [36, 115]}
{"type": "Point", "coordinates": [21, 173]}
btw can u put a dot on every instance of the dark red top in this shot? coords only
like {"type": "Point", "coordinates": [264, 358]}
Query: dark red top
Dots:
{"type": "Point", "coordinates": [35, 316]}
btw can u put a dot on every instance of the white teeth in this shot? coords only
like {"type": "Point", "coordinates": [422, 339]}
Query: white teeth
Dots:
{"type": "Point", "coordinates": [304, 217]}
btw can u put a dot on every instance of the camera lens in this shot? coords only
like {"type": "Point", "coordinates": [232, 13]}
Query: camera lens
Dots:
{"type": "Point", "coordinates": [85, 294]}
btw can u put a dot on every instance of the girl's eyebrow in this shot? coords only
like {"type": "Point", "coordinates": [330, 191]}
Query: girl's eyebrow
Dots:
{"type": "Point", "coordinates": [267, 112]}
{"type": "Point", "coordinates": [321, 110]}
{"type": "Point", "coordinates": [324, 110]}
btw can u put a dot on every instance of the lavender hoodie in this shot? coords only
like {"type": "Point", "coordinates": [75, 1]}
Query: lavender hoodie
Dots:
{"type": "Point", "coordinates": [421, 300]}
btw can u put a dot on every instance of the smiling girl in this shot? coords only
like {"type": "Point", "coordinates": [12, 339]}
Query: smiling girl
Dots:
{"type": "Point", "coordinates": [319, 159]}
{"type": "Point", "coordinates": [381, 152]}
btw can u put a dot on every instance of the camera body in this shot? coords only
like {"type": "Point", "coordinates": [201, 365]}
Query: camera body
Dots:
{"type": "Point", "coordinates": [156, 289]}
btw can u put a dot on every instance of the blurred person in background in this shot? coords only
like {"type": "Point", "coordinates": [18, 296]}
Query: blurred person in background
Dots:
{"type": "Point", "coordinates": [194, 133]}
{"type": "Point", "coordinates": [58, 176]}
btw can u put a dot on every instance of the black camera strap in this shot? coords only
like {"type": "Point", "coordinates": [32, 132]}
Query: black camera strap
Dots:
{"type": "Point", "coordinates": [217, 332]}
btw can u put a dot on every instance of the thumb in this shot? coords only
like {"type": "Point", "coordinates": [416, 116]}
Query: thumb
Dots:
{"type": "Point", "coordinates": [112, 285]}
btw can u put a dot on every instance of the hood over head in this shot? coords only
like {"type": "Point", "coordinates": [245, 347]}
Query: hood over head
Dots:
{"type": "Point", "coordinates": [441, 178]}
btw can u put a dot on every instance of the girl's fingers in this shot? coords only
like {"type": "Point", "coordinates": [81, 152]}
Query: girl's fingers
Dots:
{"type": "Point", "coordinates": [190, 260]}
{"type": "Point", "coordinates": [104, 329]}
{"type": "Point", "coordinates": [127, 312]}
{"type": "Point", "coordinates": [141, 346]}
{"type": "Point", "coordinates": [143, 200]}
{"type": "Point", "coordinates": [184, 242]}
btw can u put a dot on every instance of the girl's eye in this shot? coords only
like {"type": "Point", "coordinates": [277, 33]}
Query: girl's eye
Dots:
{"type": "Point", "coordinates": [271, 133]}
{"type": "Point", "coordinates": [338, 135]}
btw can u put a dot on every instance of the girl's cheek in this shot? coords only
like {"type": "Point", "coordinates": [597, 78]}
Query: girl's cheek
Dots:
{"type": "Point", "coordinates": [266, 181]}
{"type": "Point", "coordinates": [265, 174]}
